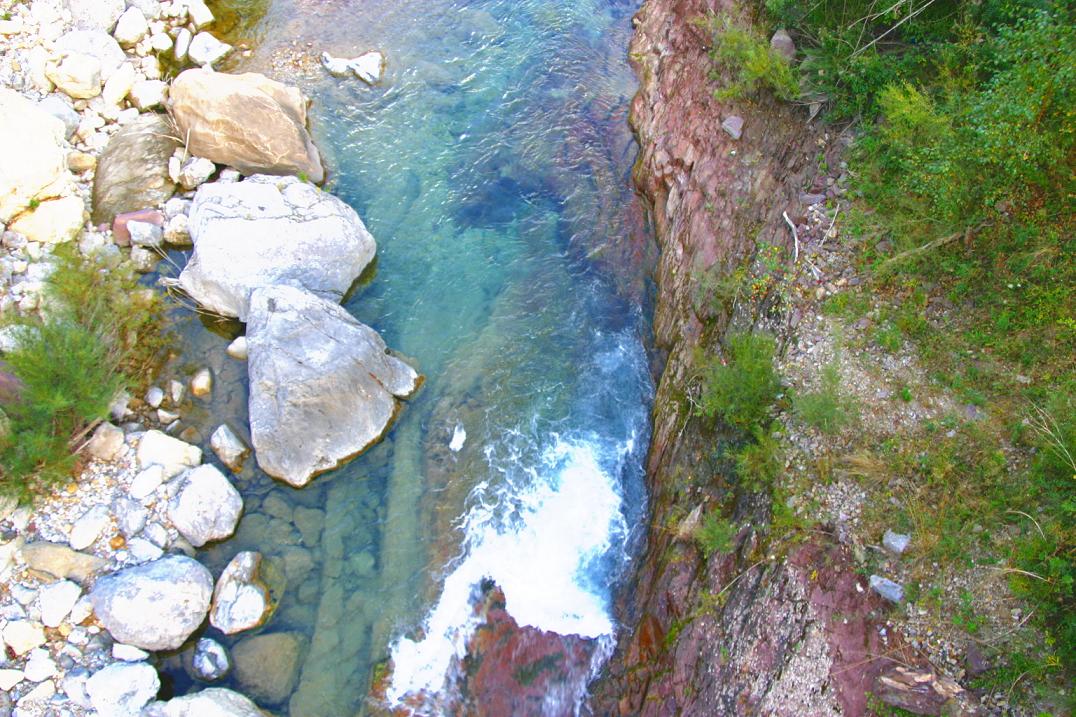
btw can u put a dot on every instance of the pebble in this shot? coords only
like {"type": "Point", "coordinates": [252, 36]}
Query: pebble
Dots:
{"type": "Point", "coordinates": [89, 527]}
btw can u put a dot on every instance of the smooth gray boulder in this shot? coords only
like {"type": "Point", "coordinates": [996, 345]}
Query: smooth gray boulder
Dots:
{"type": "Point", "coordinates": [206, 506]}
{"type": "Point", "coordinates": [270, 230]}
{"type": "Point", "coordinates": [154, 606]}
{"type": "Point", "coordinates": [212, 702]}
{"type": "Point", "coordinates": [132, 172]}
{"type": "Point", "coordinates": [323, 386]}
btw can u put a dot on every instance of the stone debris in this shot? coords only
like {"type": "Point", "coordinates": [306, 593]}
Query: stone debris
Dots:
{"type": "Point", "coordinates": [887, 589]}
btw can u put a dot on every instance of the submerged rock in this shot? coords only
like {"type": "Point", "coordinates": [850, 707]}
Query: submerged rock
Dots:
{"type": "Point", "coordinates": [270, 230]}
{"type": "Point", "coordinates": [208, 661]}
{"type": "Point", "coordinates": [155, 606]}
{"type": "Point", "coordinates": [247, 121]}
{"type": "Point", "coordinates": [267, 666]}
{"type": "Point", "coordinates": [323, 386]}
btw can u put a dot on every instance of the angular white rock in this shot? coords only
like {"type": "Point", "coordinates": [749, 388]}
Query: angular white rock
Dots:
{"type": "Point", "coordinates": [78, 76]}
{"type": "Point", "coordinates": [205, 49]}
{"type": "Point", "coordinates": [148, 94]}
{"type": "Point", "coordinates": [122, 689]}
{"type": "Point", "coordinates": [229, 448]}
{"type": "Point", "coordinates": [240, 600]}
{"type": "Point", "coordinates": [172, 454]}
{"type": "Point", "coordinates": [89, 527]}
{"type": "Point", "coordinates": [22, 636]}
{"type": "Point", "coordinates": [207, 506]}
{"type": "Point", "coordinates": [131, 27]}
{"type": "Point", "coordinates": [57, 600]}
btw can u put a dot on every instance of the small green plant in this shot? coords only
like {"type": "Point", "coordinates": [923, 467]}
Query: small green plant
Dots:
{"type": "Point", "coordinates": [741, 390]}
{"type": "Point", "coordinates": [750, 62]}
{"type": "Point", "coordinates": [759, 462]}
{"type": "Point", "coordinates": [715, 534]}
{"type": "Point", "coordinates": [828, 409]}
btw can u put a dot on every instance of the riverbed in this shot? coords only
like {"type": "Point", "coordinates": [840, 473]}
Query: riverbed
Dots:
{"type": "Point", "coordinates": [492, 166]}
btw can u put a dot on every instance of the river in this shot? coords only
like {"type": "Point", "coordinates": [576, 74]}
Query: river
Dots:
{"type": "Point", "coordinates": [493, 168]}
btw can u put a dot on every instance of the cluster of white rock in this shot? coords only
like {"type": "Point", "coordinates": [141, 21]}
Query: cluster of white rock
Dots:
{"type": "Point", "coordinates": [101, 576]}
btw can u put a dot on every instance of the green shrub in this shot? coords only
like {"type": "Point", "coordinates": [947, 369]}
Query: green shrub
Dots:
{"type": "Point", "coordinates": [760, 462]}
{"type": "Point", "coordinates": [827, 409]}
{"type": "Point", "coordinates": [67, 382]}
{"type": "Point", "coordinates": [741, 390]}
{"type": "Point", "coordinates": [750, 61]}
{"type": "Point", "coordinates": [102, 333]}
{"type": "Point", "coordinates": [715, 534]}
{"type": "Point", "coordinates": [1050, 550]}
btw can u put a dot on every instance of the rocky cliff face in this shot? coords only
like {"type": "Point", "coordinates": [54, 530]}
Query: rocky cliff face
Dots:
{"type": "Point", "coordinates": [791, 633]}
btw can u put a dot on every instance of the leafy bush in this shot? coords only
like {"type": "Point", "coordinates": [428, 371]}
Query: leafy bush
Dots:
{"type": "Point", "coordinates": [827, 409]}
{"type": "Point", "coordinates": [741, 390]}
{"type": "Point", "coordinates": [751, 62]}
{"type": "Point", "coordinates": [715, 534]}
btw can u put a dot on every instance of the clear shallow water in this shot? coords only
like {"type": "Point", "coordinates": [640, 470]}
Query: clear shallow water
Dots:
{"type": "Point", "coordinates": [492, 167]}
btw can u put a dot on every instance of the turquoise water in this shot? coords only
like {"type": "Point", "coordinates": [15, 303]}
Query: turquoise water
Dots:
{"type": "Point", "coordinates": [493, 167]}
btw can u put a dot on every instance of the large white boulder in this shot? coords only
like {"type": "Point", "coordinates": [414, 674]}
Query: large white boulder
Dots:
{"type": "Point", "coordinates": [154, 606]}
{"type": "Point", "coordinates": [323, 386]}
{"type": "Point", "coordinates": [206, 507]}
{"type": "Point", "coordinates": [269, 230]}
{"type": "Point", "coordinates": [35, 163]}
{"type": "Point", "coordinates": [247, 121]}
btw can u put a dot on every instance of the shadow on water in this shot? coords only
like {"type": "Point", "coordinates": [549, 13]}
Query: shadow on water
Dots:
{"type": "Point", "coordinates": [493, 168]}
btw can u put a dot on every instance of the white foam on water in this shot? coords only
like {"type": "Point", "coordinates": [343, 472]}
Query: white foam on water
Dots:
{"type": "Point", "coordinates": [535, 536]}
